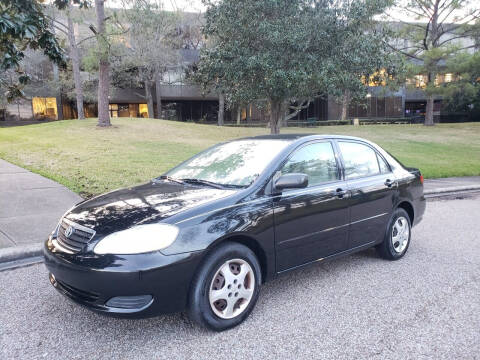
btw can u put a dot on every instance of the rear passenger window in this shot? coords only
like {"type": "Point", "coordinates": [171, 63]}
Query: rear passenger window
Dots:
{"type": "Point", "coordinates": [317, 160]}
{"type": "Point", "coordinates": [359, 160]}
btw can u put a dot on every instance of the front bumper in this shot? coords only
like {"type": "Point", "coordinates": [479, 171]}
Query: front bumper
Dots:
{"type": "Point", "coordinates": [94, 280]}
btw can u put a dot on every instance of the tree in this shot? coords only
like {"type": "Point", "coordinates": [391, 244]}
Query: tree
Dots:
{"type": "Point", "coordinates": [439, 30]}
{"type": "Point", "coordinates": [152, 46]}
{"type": "Point", "coordinates": [68, 30]}
{"type": "Point", "coordinates": [103, 48]}
{"type": "Point", "coordinates": [462, 95]}
{"type": "Point", "coordinates": [221, 109]}
{"type": "Point", "coordinates": [363, 57]}
{"type": "Point", "coordinates": [36, 66]}
{"type": "Point", "coordinates": [23, 25]}
{"type": "Point", "coordinates": [261, 51]}
{"type": "Point", "coordinates": [286, 53]}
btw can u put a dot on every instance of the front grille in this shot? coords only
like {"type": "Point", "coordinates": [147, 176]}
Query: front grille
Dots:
{"type": "Point", "coordinates": [77, 240]}
{"type": "Point", "coordinates": [77, 293]}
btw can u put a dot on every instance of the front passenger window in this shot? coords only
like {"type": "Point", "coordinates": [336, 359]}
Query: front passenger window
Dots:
{"type": "Point", "coordinates": [317, 160]}
{"type": "Point", "coordinates": [359, 160]}
{"type": "Point", "coordinates": [384, 169]}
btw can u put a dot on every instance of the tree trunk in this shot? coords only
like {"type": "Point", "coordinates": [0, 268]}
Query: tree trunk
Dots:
{"type": "Point", "coordinates": [75, 63]}
{"type": "Point", "coordinates": [429, 111]}
{"type": "Point", "coordinates": [239, 114]}
{"type": "Point", "coordinates": [158, 94]}
{"type": "Point", "coordinates": [345, 105]}
{"type": "Point", "coordinates": [104, 66]}
{"type": "Point", "coordinates": [58, 96]}
{"type": "Point", "coordinates": [275, 116]}
{"type": "Point", "coordinates": [148, 95]}
{"type": "Point", "coordinates": [221, 109]}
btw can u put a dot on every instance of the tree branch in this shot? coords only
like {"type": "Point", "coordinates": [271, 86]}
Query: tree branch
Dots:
{"type": "Point", "coordinates": [56, 21]}
{"type": "Point", "coordinates": [85, 39]}
{"type": "Point", "coordinates": [416, 13]}
{"type": "Point", "coordinates": [60, 29]}
{"type": "Point", "coordinates": [427, 28]}
{"type": "Point", "coordinates": [297, 109]}
{"type": "Point", "coordinates": [141, 95]}
{"type": "Point", "coordinates": [403, 52]}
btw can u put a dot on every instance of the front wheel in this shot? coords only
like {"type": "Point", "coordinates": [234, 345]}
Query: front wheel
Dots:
{"type": "Point", "coordinates": [226, 287]}
{"type": "Point", "coordinates": [397, 236]}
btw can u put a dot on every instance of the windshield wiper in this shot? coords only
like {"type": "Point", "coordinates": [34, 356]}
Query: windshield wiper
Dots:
{"type": "Point", "coordinates": [169, 178]}
{"type": "Point", "coordinates": [204, 182]}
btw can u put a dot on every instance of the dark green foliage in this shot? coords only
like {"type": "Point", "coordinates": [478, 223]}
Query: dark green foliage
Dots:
{"type": "Point", "coordinates": [282, 51]}
{"type": "Point", "coordinates": [362, 54]}
{"type": "Point", "coordinates": [462, 96]}
{"type": "Point", "coordinates": [23, 25]}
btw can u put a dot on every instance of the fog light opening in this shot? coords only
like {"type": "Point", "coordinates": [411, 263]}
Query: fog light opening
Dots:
{"type": "Point", "coordinates": [130, 302]}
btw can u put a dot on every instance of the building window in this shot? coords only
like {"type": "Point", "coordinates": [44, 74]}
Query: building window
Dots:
{"type": "Point", "coordinates": [113, 108]}
{"type": "Point", "coordinates": [143, 110]}
{"type": "Point", "coordinates": [421, 81]}
{"type": "Point", "coordinates": [448, 77]}
{"type": "Point", "coordinates": [123, 110]}
{"type": "Point", "coordinates": [439, 79]}
{"type": "Point", "coordinates": [45, 108]}
{"type": "Point", "coordinates": [119, 110]}
{"type": "Point", "coordinates": [378, 78]}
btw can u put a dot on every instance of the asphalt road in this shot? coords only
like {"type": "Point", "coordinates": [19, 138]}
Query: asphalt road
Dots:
{"type": "Point", "coordinates": [425, 306]}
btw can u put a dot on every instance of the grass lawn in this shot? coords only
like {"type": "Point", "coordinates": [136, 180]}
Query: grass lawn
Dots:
{"type": "Point", "coordinates": [91, 161]}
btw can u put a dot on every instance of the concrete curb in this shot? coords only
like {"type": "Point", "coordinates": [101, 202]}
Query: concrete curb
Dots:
{"type": "Point", "coordinates": [452, 189]}
{"type": "Point", "coordinates": [16, 253]}
{"type": "Point", "coordinates": [20, 252]}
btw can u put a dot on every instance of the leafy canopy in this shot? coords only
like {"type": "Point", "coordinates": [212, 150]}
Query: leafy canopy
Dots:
{"type": "Point", "coordinates": [286, 50]}
{"type": "Point", "coordinates": [258, 49]}
{"type": "Point", "coordinates": [23, 25]}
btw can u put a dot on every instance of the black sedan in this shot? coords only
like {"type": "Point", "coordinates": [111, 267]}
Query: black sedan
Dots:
{"type": "Point", "coordinates": [206, 235]}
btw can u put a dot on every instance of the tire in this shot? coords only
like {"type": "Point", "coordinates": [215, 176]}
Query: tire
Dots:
{"type": "Point", "coordinates": [220, 276]}
{"type": "Point", "coordinates": [395, 245]}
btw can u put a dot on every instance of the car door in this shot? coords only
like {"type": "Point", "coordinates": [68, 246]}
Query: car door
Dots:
{"type": "Point", "coordinates": [372, 189]}
{"type": "Point", "coordinates": [311, 223]}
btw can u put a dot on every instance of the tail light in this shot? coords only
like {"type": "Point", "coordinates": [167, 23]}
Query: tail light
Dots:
{"type": "Point", "coordinates": [421, 179]}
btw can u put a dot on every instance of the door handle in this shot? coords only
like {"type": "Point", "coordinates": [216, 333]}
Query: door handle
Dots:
{"type": "Point", "coordinates": [340, 193]}
{"type": "Point", "coordinates": [389, 183]}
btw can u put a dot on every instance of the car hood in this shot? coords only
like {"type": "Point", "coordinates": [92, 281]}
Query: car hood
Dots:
{"type": "Point", "coordinates": [151, 202]}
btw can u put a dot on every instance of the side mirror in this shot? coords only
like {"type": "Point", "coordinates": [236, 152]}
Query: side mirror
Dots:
{"type": "Point", "coordinates": [291, 181]}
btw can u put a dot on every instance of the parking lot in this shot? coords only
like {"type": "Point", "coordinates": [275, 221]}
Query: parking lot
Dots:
{"type": "Point", "coordinates": [426, 305]}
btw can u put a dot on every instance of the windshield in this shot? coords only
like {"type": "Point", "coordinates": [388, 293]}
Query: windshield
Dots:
{"type": "Point", "coordinates": [236, 163]}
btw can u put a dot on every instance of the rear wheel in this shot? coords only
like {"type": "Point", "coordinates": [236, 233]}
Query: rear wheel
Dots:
{"type": "Point", "coordinates": [226, 287]}
{"type": "Point", "coordinates": [397, 236]}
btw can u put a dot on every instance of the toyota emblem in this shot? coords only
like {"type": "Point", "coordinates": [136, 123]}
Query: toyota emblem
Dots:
{"type": "Point", "coordinates": [69, 231]}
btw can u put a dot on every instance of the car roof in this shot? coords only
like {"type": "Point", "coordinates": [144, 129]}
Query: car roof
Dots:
{"type": "Point", "coordinates": [306, 136]}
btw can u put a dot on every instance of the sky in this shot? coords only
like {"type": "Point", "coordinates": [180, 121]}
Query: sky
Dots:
{"type": "Point", "coordinates": [185, 5]}
{"type": "Point", "coordinates": [197, 6]}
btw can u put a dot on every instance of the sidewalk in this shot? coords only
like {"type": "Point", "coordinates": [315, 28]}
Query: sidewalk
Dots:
{"type": "Point", "coordinates": [30, 207]}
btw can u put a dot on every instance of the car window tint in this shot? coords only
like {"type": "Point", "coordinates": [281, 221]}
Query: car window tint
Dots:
{"type": "Point", "coordinates": [316, 160]}
{"type": "Point", "coordinates": [359, 160]}
{"type": "Point", "coordinates": [384, 169]}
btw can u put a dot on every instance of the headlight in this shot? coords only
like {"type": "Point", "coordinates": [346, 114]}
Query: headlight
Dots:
{"type": "Point", "coordinates": [138, 239]}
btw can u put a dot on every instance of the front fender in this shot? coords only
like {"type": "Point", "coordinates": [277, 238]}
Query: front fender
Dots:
{"type": "Point", "coordinates": [250, 219]}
